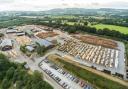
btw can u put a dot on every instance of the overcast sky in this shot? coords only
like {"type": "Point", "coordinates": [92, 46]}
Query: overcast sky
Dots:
{"type": "Point", "coordinates": [37, 5]}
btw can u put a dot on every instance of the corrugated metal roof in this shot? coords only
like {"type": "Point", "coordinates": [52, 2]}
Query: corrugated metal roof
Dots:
{"type": "Point", "coordinates": [43, 42]}
{"type": "Point", "coordinates": [30, 48]}
{"type": "Point", "coordinates": [18, 34]}
{"type": "Point", "coordinates": [11, 31]}
{"type": "Point", "coordinates": [6, 42]}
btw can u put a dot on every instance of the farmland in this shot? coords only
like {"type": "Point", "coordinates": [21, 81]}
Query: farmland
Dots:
{"type": "Point", "coordinates": [63, 16]}
{"type": "Point", "coordinates": [112, 27]}
{"type": "Point", "coordinates": [102, 26]}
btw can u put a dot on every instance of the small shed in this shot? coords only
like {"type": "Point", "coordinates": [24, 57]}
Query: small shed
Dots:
{"type": "Point", "coordinates": [26, 66]}
{"type": "Point", "coordinates": [30, 48]}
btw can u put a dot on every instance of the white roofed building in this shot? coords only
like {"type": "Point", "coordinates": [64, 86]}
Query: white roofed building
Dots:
{"type": "Point", "coordinates": [6, 44]}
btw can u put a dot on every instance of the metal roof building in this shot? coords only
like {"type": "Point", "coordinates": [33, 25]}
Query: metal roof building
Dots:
{"type": "Point", "coordinates": [29, 33]}
{"type": "Point", "coordinates": [29, 48]}
{"type": "Point", "coordinates": [43, 42]}
{"type": "Point", "coordinates": [11, 31]}
{"type": "Point", "coordinates": [6, 44]}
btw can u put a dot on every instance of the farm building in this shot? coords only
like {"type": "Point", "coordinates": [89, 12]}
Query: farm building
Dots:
{"type": "Point", "coordinates": [6, 44]}
{"type": "Point", "coordinates": [29, 33]}
{"type": "Point", "coordinates": [11, 31]}
{"type": "Point", "coordinates": [20, 33]}
{"type": "Point", "coordinates": [43, 42]}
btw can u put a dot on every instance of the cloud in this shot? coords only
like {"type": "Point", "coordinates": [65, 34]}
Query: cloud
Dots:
{"type": "Point", "coordinates": [117, 4]}
{"type": "Point", "coordinates": [95, 4]}
{"type": "Point", "coordinates": [6, 1]}
{"type": "Point", "coordinates": [49, 4]}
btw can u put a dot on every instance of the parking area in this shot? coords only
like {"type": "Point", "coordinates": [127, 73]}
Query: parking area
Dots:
{"type": "Point", "coordinates": [62, 77]}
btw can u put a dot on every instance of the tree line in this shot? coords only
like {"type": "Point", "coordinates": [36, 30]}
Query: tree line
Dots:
{"type": "Point", "coordinates": [15, 76]}
{"type": "Point", "coordinates": [71, 29]}
{"type": "Point", "coordinates": [84, 28]}
{"type": "Point", "coordinates": [117, 22]}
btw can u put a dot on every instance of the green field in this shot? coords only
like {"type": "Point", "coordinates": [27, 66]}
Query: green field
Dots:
{"type": "Point", "coordinates": [70, 23]}
{"type": "Point", "coordinates": [64, 16]}
{"type": "Point", "coordinates": [112, 27]}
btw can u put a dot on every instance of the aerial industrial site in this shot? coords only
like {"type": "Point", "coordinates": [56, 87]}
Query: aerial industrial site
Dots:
{"type": "Point", "coordinates": [100, 54]}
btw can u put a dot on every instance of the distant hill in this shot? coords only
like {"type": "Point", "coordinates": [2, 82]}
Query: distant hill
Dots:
{"type": "Point", "coordinates": [70, 11]}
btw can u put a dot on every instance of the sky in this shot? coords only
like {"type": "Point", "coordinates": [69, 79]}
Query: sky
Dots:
{"type": "Point", "coordinates": [41, 5]}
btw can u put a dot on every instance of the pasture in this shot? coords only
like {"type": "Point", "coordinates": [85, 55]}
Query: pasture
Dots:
{"type": "Point", "coordinates": [112, 27]}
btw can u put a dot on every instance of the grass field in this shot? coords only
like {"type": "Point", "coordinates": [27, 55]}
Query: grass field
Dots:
{"type": "Point", "coordinates": [112, 27]}
{"type": "Point", "coordinates": [70, 23]}
{"type": "Point", "coordinates": [96, 80]}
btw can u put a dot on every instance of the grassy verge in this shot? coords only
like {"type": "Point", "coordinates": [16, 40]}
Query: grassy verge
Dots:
{"type": "Point", "coordinates": [94, 79]}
